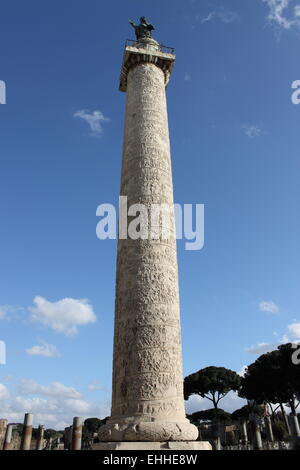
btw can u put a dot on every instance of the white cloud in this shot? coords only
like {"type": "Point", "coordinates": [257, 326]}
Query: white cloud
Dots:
{"type": "Point", "coordinates": [44, 349]}
{"type": "Point", "coordinates": [82, 407]}
{"type": "Point", "coordinates": [187, 77]}
{"type": "Point", "coordinates": [5, 309]}
{"type": "Point", "coordinates": [292, 336]}
{"type": "Point", "coordinates": [268, 306]}
{"type": "Point", "coordinates": [294, 331]}
{"type": "Point", "coordinates": [276, 12]}
{"type": "Point", "coordinates": [229, 403]}
{"type": "Point", "coordinates": [33, 405]}
{"type": "Point", "coordinates": [55, 408]}
{"type": "Point", "coordinates": [226, 16]}
{"type": "Point", "coordinates": [281, 15]}
{"type": "Point", "coordinates": [54, 389]}
{"type": "Point", "coordinates": [209, 17]}
{"type": "Point", "coordinates": [262, 348]}
{"type": "Point", "coordinates": [7, 378]}
{"type": "Point", "coordinates": [297, 11]}
{"type": "Point", "coordinates": [4, 393]}
{"type": "Point", "coordinates": [94, 119]}
{"type": "Point", "coordinates": [96, 385]}
{"type": "Point", "coordinates": [242, 371]}
{"type": "Point", "coordinates": [63, 316]}
{"type": "Point", "coordinates": [251, 131]}
{"type": "Point", "coordinates": [2, 312]}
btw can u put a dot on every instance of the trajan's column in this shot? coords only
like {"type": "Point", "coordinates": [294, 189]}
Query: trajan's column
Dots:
{"type": "Point", "coordinates": [147, 400]}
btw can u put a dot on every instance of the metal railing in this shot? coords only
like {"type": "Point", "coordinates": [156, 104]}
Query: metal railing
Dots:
{"type": "Point", "coordinates": [160, 47]}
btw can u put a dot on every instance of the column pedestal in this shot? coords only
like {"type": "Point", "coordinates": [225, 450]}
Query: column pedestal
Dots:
{"type": "Point", "coordinates": [135, 446]}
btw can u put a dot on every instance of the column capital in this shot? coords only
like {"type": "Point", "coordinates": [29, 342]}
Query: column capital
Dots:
{"type": "Point", "coordinates": [146, 50]}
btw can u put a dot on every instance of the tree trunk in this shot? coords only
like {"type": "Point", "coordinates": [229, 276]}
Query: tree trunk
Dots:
{"type": "Point", "coordinates": [216, 429]}
{"type": "Point", "coordinates": [294, 425]}
{"type": "Point", "coordinates": [216, 435]}
{"type": "Point", "coordinates": [285, 419]}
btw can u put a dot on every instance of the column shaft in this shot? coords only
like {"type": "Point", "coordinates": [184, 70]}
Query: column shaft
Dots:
{"type": "Point", "coordinates": [77, 433]}
{"type": "Point", "coordinates": [27, 432]}
{"type": "Point", "coordinates": [147, 402]}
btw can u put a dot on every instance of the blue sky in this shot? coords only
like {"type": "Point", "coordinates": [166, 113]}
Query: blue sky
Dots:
{"type": "Point", "coordinates": [235, 148]}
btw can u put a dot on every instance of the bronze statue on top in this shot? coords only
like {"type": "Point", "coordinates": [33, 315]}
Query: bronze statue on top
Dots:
{"type": "Point", "coordinates": [143, 30]}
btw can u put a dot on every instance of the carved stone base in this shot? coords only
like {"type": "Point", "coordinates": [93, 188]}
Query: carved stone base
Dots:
{"type": "Point", "coordinates": [185, 446]}
{"type": "Point", "coordinates": [155, 431]}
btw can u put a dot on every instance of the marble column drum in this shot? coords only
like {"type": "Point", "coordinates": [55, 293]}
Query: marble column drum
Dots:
{"type": "Point", "coordinates": [147, 400]}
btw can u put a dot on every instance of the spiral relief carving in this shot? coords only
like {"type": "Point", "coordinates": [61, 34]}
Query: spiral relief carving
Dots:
{"type": "Point", "coordinates": [147, 400]}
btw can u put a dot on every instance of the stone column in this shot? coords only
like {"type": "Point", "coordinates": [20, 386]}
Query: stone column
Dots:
{"type": "Point", "coordinates": [27, 432]}
{"type": "Point", "coordinates": [8, 438]}
{"type": "Point", "coordinates": [77, 433]}
{"type": "Point", "coordinates": [40, 438]}
{"type": "Point", "coordinates": [269, 428]}
{"type": "Point", "coordinates": [286, 421]}
{"type": "Point", "coordinates": [68, 437]}
{"type": "Point", "coordinates": [147, 399]}
{"type": "Point", "coordinates": [244, 432]}
{"type": "Point", "coordinates": [294, 425]}
{"type": "Point", "coordinates": [3, 428]}
{"type": "Point", "coordinates": [57, 444]}
{"type": "Point", "coordinates": [258, 440]}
